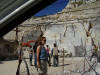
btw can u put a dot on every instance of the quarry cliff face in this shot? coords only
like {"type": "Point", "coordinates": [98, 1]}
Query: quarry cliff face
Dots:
{"type": "Point", "coordinates": [75, 29]}
{"type": "Point", "coordinates": [73, 37]}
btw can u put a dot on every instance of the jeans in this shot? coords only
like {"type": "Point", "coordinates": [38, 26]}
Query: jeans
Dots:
{"type": "Point", "coordinates": [35, 60]}
{"type": "Point", "coordinates": [55, 60]}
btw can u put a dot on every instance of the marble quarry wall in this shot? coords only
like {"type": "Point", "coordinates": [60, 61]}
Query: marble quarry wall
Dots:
{"type": "Point", "coordinates": [73, 37]}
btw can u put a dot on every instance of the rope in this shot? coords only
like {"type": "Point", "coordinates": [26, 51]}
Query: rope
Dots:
{"type": "Point", "coordinates": [91, 66]}
{"type": "Point", "coordinates": [20, 59]}
{"type": "Point", "coordinates": [28, 73]}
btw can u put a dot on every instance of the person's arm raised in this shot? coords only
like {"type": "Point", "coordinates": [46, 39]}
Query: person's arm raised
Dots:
{"type": "Point", "coordinates": [38, 54]}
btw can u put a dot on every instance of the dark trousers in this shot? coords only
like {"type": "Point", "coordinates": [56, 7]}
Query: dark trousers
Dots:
{"type": "Point", "coordinates": [55, 60]}
{"type": "Point", "coordinates": [35, 60]}
{"type": "Point", "coordinates": [49, 59]}
{"type": "Point", "coordinates": [30, 58]}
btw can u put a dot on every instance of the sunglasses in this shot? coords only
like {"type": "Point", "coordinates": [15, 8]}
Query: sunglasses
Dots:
{"type": "Point", "coordinates": [44, 40]}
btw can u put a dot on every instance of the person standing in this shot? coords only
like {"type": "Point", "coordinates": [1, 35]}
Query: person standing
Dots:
{"type": "Point", "coordinates": [35, 57]}
{"type": "Point", "coordinates": [48, 50]}
{"type": "Point", "coordinates": [35, 49]}
{"type": "Point", "coordinates": [30, 56]}
{"type": "Point", "coordinates": [42, 57]}
{"type": "Point", "coordinates": [55, 55]}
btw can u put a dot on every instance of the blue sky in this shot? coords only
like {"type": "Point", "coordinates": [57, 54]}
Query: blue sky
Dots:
{"type": "Point", "coordinates": [57, 6]}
